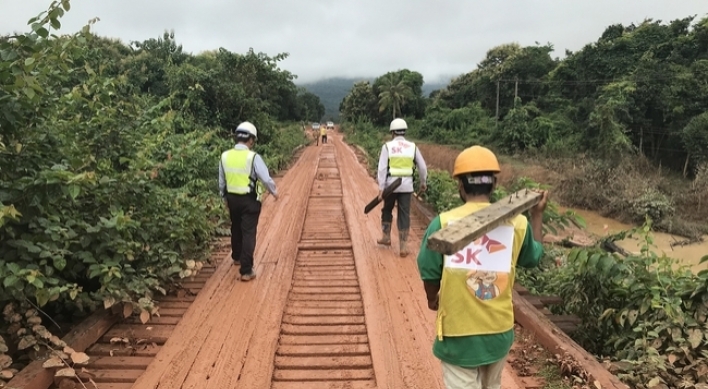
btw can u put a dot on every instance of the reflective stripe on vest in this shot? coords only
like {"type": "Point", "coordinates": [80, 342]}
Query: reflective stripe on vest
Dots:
{"type": "Point", "coordinates": [477, 281]}
{"type": "Point", "coordinates": [238, 170]}
{"type": "Point", "coordinates": [401, 158]}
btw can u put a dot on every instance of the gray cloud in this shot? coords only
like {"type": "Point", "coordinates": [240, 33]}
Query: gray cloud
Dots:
{"type": "Point", "coordinates": [359, 38]}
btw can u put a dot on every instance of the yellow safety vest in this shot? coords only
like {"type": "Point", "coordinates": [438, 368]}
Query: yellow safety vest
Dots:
{"type": "Point", "coordinates": [401, 158]}
{"type": "Point", "coordinates": [477, 282]}
{"type": "Point", "coordinates": [238, 170]}
{"type": "Point", "coordinates": [323, 131]}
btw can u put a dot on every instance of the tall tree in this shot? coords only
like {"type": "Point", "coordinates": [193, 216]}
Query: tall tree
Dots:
{"type": "Point", "coordinates": [310, 107]}
{"type": "Point", "coordinates": [394, 94]}
{"type": "Point", "coordinates": [360, 103]}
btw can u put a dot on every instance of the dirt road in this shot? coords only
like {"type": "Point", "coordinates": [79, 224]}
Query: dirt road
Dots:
{"type": "Point", "coordinates": [329, 308]}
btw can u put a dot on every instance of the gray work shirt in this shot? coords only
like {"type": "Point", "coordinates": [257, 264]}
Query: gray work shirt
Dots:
{"type": "Point", "coordinates": [406, 182]}
{"type": "Point", "coordinates": [259, 167]}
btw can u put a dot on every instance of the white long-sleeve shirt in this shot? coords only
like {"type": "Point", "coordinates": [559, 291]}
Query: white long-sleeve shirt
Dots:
{"type": "Point", "coordinates": [406, 182]}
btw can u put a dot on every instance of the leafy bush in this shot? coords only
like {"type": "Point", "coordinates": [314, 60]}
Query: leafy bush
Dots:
{"type": "Point", "coordinates": [639, 311]}
{"type": "Point", "coordinates": [462, 126]}
{"type": "Point", "coordinates": [278, 152]}
{"type": "Point", "coordinates": [108, 191]}
{"type": "Point", "coordinates": [654, 204]}
{"type": "Point", "coordinates": [367, 136]}
{"type": "Point", "coordinates": [442, 193]}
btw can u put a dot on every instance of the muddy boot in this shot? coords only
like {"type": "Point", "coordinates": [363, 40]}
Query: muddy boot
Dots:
{"type": "Point", "coordinates": [402, 238]}
{"type": "Point", "coordinates": [386, 237]}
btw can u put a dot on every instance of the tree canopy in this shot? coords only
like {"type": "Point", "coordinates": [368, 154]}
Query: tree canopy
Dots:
{"type": "Point", "coordinates": [108, 161]}
{"type": "Point", "coordinates": [638, 88]}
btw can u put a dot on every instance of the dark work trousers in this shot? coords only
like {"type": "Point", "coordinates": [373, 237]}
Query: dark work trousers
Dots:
{"type": "Point", "coordinates": [244, 211]}
{"type": "Point", "coordinates": [324, 139]}
{"type": "Point", "coordinates": [404, 210]}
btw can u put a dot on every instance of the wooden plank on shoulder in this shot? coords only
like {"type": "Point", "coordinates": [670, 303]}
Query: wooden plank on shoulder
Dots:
{"type": "Point", "coordinates": [455, 237]}
{"type": "Point", "coordinates": [553, 339]}
{"type": "Point", "coordinates": [34, 376]}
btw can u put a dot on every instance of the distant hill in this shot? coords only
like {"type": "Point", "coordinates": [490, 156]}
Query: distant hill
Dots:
{"type": "Point", "coordinates": [429, 87]}
{"type": "Point", "coordinates": [331, 91]}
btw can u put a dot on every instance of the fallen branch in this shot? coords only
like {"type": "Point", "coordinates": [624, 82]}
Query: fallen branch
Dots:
{"type": "Point", "coordinates": [612, 247]}
{"type": "Point", "coordinates": [686, 242]}
{"type": "Point", "coordinates": [43, 313]}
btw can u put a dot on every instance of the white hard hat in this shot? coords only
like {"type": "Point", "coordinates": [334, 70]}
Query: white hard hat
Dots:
{"type": "Point", "coordinates": [398, 125]}
{"type": "Point", "coordinates": [248, 128]}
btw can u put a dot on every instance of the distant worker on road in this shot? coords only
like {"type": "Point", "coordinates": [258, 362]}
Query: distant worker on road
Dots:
{"type": "Point", "coordinates": [399, 158]}
{"type": "Point", "coordinates": [475, 321]}
{"type": "Point", "coordinates": [241, 172]}
{"type": "Point", "coordinates": [323, 133]}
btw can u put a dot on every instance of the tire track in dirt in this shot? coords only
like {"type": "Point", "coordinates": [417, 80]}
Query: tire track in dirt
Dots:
{"type": "Point", "coordinates": [391, 284]}
{"type": "Point", "coordinates": [323, 340]}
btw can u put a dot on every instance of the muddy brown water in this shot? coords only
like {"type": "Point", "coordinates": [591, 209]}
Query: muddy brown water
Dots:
{"type": "Point", "coordinates": [688, 255]}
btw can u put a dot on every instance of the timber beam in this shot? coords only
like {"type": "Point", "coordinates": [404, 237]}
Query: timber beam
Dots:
{"type": "Point", "coordinates": [455, 237]}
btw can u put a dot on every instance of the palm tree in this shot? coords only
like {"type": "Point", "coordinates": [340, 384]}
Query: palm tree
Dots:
{"type": "Point", "coordinates": [394, 93]}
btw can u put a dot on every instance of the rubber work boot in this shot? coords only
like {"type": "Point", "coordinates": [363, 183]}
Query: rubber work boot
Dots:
{"type": "Point", "coordinates": [402, 238]}
{"type": "Point", "coordinates": [249, 276]}
{"type": "Point", "coordinates": [386, 237]}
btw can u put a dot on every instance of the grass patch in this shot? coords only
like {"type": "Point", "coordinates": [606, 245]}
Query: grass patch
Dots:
{"type": "Point", "coordinates": [554, 380]}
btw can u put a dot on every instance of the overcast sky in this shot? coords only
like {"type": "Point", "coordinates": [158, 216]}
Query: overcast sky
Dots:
{"type": "Point", "coordinates": [359, 38]}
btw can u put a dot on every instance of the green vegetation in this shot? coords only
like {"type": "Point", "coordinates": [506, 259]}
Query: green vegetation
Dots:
{"type": "Point", "coordinates": [623, 122]}
{"type": "Point", "coordinates": [311, 109]}
{"type": "Point", "coordinates": [639, 312]}
{"type": "Point", "coordinates": [442, 193]}
{"type": "Point", "coordinates": [108, 179]}
{"type": "Point", "coordinates": [627, 113]}
{"type": "Point", "coordinates": [331, 91]}
{"type": "Point", "coordinates": [108, 156]}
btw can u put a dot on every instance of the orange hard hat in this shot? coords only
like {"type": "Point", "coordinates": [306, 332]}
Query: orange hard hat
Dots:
{"type": "Point", "coordinates": [475, 159]}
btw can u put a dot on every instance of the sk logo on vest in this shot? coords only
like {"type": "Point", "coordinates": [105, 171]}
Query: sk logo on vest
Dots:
{"type": "Point", "coordinates": [396, 150]}
{"type": "Point", "coordinates": [470, 256]}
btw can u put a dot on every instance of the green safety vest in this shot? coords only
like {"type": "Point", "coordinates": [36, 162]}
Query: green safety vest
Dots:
{"type": "Point", "coordinates": [401, 158]}
{"type": "Point", "coordinates": [239, 172]}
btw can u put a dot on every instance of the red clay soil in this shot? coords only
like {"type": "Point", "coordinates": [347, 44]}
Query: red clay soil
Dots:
{"type": "Point", "coordinates": [328, 309]}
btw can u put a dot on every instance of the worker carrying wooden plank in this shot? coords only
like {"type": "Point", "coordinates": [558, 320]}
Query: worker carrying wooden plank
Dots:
{"type": "Point", "coordinates": [471, 289]}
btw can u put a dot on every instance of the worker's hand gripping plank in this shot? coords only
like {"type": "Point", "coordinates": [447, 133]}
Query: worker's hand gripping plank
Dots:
{"type": "Point", "coordinates": [456, 236]}
{"type": "Point", "coordinates": [395, 184]}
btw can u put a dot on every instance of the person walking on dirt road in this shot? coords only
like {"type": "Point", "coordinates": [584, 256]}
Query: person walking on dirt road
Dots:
{"type": "Point", "coordinates": [240, 171]}
{"type": "Point", "coordinates": [323, 133]}
{"type": "Point", "coordinates": [399, 158]}
{"type": "Point", "coordinates": [475, 320]}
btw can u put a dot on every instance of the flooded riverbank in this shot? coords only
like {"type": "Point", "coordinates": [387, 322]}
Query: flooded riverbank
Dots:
{"type": "Point", "coordinates": [689, 255]}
